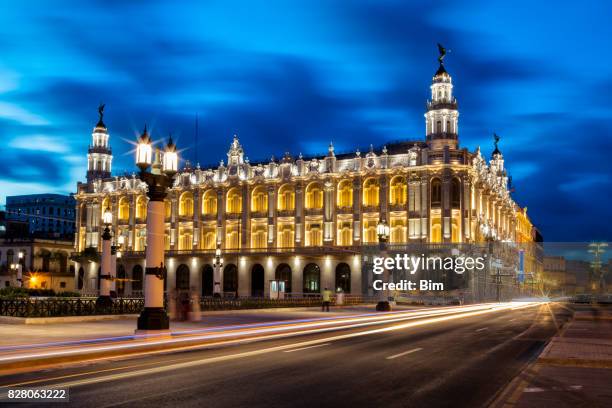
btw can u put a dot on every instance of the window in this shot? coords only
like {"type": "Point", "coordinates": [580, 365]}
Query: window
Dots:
{"type": "Point", "coordinates": [259, 200]}
{"type": "Point", "coordinates": [314, 233]}
{"type": "Point", "coordinates": [209, 203]}
{"type": "Point", "coordinates": [259, 234]}
{"type": "Point", "coordinates": [343, 278]}
{"type": "Point", "coordinates": [234, 201]}
{"type": "Point", "coordinates": [455, 193]}
{"type": "Point", "coordinates": [182, 277]}
{"type": "Point", "coordinates": [345, 194]}
{"type": "Point", "coordinates": [285, 235]}
{"type": "Point", "coordinates": [286, 198]}
{"type": "Point", "coordinates": [314, 196]}
{"type": "Point", "coordinates": [370, 192]}
{"type": "Point", "coordinates": [124, 209]}
{"type": "Point", "coordinates": [186, 204]}
{"type": "Point", "coordinates": [141, 208]}
{"type": "Point", "coordinates": [312, 278]}
{"type": "Point", "coordinates": [283, 273]}
{"type": "Point", "coordinates": [398, 190]}
{"type": "Point", "coordinates": [436, 193]}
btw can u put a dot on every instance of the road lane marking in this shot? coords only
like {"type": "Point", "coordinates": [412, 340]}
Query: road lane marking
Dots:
{"type": "Point", "coordinates": [484, 328]}
{"type": "Point", "coordinates": [277, 330]}
{"type": "Point", "coordinates": [305, 348]}
{"type": "Point", "coordinates": [210, 360]}
{"type": "Point", "coordinates": [511, 320]}
{"type": "Point", "coordinates": [404, 353]}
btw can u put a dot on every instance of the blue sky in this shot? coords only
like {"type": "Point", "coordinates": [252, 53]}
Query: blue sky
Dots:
{"type": "Point", "coordinates": [293, 75]}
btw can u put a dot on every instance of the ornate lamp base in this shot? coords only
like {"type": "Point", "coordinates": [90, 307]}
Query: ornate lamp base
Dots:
{"type": "Point", "coordinates": [104, 304]}
{"type": "Point", "coordinates": [153, 318]}
{"type": "Point", "coordinates": [383, 306]}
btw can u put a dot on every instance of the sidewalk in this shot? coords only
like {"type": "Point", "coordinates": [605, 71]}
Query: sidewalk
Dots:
{"type": "Point", "coordinates": [574, 370]}
{"type": "Point", "coordinates": [20, 334]}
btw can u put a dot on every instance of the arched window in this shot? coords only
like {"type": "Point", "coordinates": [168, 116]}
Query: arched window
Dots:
{"type": "Point", "coordinates": [106, 203]}
{"type": "Point", "coordinates": [259, 200]}
{"type": "Point", "coordinates": [186, 204]}
{"type": "Point", "coordinates": [182, 277]}
{"type": "Point", "coordinates": [314, 196]}
{"type": "Point", "coordinates": [168, 208]}
{"type": "Point", "coordinates": [230, 279]}
{"type": "Point", "coordinates": [455, 193]}
{"type": "Point", "coordinates": [234, 201]}
{"type": "Point", "coordinates": [286, 198]}
{"type": "Point", "coordinates": [207, 280]}
{"type": "Point", "coordinates": [436, 192]}
{"type": "Point", "coordinates": [312, 278]}
{"type": "Point", "coordinates": [398, 191]}
{"type": "Point", "coordinates": [448, 127]}
{"type": "Point", "coordinates": [345, 194]}
{"type": "Point", "coordinates": [257, 280]}
{"type": "Point", "coordinates": [137, 278]}
{"type": "Point", "coordinates": [343, 278]}
{"type": "Point", "coordinates": [141, 208]}
{"type": "Point", "coordinates": [209, 203]}
{"type": "Point", "coordinates": [438, 127]}
{"type": "Point", "coordinates": [370, 192]}
{"type": "Point", "coordinates": [124, 209]}
{"type": "Point", "coordinates": [283, 273]}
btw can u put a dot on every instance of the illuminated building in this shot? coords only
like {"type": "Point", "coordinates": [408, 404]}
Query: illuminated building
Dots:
{"type": "Point", "coordinates": [305, 220]}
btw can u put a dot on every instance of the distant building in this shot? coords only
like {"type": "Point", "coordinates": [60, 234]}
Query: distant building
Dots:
{"type": "Point", "coordinates": [44, 263]}
{"type": "Point", "coordinates": [12, 229]}
{"type": "Point", "coordinates": [47, 215]}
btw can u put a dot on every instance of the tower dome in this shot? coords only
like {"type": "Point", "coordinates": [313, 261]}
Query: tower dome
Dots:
{"type": "Point", "coordinates": [442, 116]}
{"type": "Point", "coordinates": [99, 154]}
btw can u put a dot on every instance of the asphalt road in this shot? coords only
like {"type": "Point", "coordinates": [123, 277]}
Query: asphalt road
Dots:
{"type": "Point", "coordinates": [459, 363]}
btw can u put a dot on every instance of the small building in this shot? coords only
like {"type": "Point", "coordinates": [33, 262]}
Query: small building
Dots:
{"type": "Point", "coordinates": [44, 263]}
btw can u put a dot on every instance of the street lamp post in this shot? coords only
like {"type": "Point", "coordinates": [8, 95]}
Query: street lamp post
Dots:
{"type": "Point", "coordinates": [382, 230]}
{"type": "Point", "coordinates": [20, 269]}
{"type": "Point", "coordinates": [158, 180]}
{"type": "Point", "coordinates": [104, 300]}
{"type": "Point", "coordinates": [218, 265]}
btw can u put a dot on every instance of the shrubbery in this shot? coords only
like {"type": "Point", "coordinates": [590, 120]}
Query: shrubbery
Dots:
{"type": "Point", "coordinates": [14, 292]}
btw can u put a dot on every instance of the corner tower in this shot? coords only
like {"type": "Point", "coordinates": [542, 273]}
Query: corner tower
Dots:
{"type": "Point", "coordinates": [442, 116]}
{"type": "Point", "coordinates": [99, 155]}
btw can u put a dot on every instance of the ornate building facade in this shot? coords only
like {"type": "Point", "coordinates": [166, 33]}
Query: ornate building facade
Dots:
{"type": "Point", "coordinates": [304, 220]}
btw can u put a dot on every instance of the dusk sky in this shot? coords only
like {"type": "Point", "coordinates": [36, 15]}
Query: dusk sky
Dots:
{"type": "Point", "coordinates": [293, 76]}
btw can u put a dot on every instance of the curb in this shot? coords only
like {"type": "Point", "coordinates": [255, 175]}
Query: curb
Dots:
{"type": "Point", "coordinates": [63, 319]}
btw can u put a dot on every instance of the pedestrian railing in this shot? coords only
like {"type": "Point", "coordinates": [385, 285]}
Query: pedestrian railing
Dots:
{"type": "Point", "coordinates": [86, 306]}
{"type": "Point", "coordinates": [55, 307]}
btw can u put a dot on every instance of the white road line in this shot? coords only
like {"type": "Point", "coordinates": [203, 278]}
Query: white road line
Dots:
{"type": "Point", "coordinates": [511, 320]}
{"type": "Point", "coordinates": [304, 348]}
{"type": "Point", "coordinates": [484, 328]}
{"type": "Point", "coordinates": [404, 353]}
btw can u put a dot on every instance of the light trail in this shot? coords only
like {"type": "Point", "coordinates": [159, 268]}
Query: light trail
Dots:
{"type": "Point", "coordinates": [210, 360]}
{"type": "Point", "coordinates": [228, 327]}
{"type": "Point", "coordinates": [322, 326]}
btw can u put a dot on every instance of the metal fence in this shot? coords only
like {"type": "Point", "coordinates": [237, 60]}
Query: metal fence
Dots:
{"type": "Point", "coordinates": [58, 307]}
